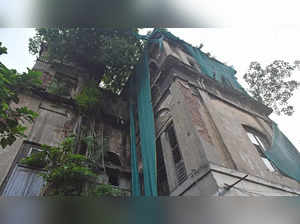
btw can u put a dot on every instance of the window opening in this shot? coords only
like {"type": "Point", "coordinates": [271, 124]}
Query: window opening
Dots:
{"type": "Point", "coordinates": [162, 180]}
{"type": "Point", "coordinates": [114, 180]}
{"type": "Point", "coordinates": [113, 159]}
{"type": "Point", "coordinates": [24, 180]}
{"type": "Point", "coordinates": [260, 144]}
{"type": "Point", "coordinates": [113, 176]}
{"type": "Point", "coordinates": [177, 157]}
{"type": "Point", "coordinates": [83, 148]}
{"type": "Point", "coordinates": [153, 69]}
{"type": "Point", "coordinates": [33, 150]}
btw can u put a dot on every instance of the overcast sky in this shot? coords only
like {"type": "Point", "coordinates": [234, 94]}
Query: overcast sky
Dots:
{"type": "Point", "coordinates": [237, 47]}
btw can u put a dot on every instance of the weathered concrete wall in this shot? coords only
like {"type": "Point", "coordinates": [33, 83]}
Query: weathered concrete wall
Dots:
{"type": "Point", "coordinates": [202, 124]}
{"type": "Point", "coordinates": [76, 75]}
{"type": "Point", "coordinates": [171, 49]}
{"type": "Point", "coordinates": [244, 154]}
{"type": "Point", "coordinates": [250, 186]}
{"type": "Point", "coordinates": [215, 180]}
{"type": "Point", "coordinates": [58, 120]}
{"type": "Point", "coordinates": [208, 121]}
{"type": "Point", "coordinates": [246, 188]}
{"type": "Point", "coordinates": [207, 186]}
{"type": "Point", "coordinates": [53, 124]}
{"type": "Point", "coordinates": [117, 141]}
{"type": "Point", "coordinates": [8, 154]}
{"type": "Point", "coordinates": [189, 143]}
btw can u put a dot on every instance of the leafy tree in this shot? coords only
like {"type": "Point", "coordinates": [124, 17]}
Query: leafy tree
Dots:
{"type": "Point", "coordinates": [68, 173]}
{"type": "Point", "coordinates": [89, 99]}
{"type": "Point", "coordinates": [108, 54]}
{"type": "Point", "coordinates": [272, 85]}
{"type": "Point", "coordinates": [11, 116]}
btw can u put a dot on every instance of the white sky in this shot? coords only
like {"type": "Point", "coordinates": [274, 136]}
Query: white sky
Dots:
{"type": "Point", "coordinates": [234, 46]}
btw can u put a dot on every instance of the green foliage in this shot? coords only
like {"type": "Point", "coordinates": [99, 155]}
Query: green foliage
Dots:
{"type": "Point", "coordinates": [3, 50]}
{"type": "Point", "coordinates": [108, 54]}
{"type": "Point", "coordinates": [89, 99]}
{"type": "Point", "coordinates": [96, 151]}
{"type": "Point", "coordinates": [36, 160]}
{"type": "Point", "coordinates": [272, 85]}
{"type": "Point", "coordinates": [12, 118]}
{"type": "Point", "coordinates": [105, 190]}
{"type": "Point", "coordinates": [68, 174]}
{"type": "Point", "coordinates": [58, 88]}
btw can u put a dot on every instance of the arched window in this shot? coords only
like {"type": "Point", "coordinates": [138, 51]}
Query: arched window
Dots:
{"type": "Point", "coordinates": [261, 144]}
{"type": "Point", "coordinates": [163, 112]}
{"type": "Point", "coordinates": [162, 178]}
{"type": "Point", "coordinates": [113, 173]}
{"type": "Point", "coordinates": [177, 156]}
{"type": "Point", "coordinates": [113, 158]}
{"type": "Point", "coordinates": [162, 117]}
{"type": "Point", "coordinates": [113, 176]}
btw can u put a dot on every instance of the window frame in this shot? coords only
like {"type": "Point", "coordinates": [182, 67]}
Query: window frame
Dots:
{"type": "Point", "coordinates": [162, 176]}
{"type": "Point", "coordinates": [32, 149]}
{"type": "Point", "coordinates": [180, 169]}
{"type": "Point", "coordinates": [260, 142]}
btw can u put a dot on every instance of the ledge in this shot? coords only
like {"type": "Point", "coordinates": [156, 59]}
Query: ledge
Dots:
{"type": "Point", "coordinates": [250, 178]}
{"type": "Point", "coordinates": [172, 62]}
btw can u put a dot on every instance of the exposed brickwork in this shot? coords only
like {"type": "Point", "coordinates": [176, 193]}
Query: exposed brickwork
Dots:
{"type": "Point", "coordinates": [193, 107]}
{"type": "Point", "coordinates": [46, 79]}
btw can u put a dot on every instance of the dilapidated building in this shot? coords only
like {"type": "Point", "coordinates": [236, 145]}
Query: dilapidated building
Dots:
{"type": "Point", "coordinates": [210, 134]}
{"type": "Point", "coordinates": [58, 118]}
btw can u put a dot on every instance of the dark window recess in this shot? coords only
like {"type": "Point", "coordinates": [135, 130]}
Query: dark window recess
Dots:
{"type": "Point", "coordinates": [112, 158]}
{"type": "Point", "coordinates": [162, 180]}
{"type": "Point", "coordinates": [180, 172]}
{"type": "Point", "coordinates": [179, 163]}
{"type": "Point", "coordinates": [155, 93]}
{"type": "Point", "coordinates": [82, 148]}
{"type": "Point", "coordinates": [176, 155]}
{"type": "Point", "coordinates": [114, 180]}
{"type": "Point", "coordinates": [153, 71]}
{"type": "Point", "coordinates": [113, 176]}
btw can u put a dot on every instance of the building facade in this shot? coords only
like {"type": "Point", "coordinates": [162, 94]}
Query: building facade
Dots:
{"type": "Point", "coordinates": [210, 137]}
{"type": "Point", "coordinates": [59, 118]}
